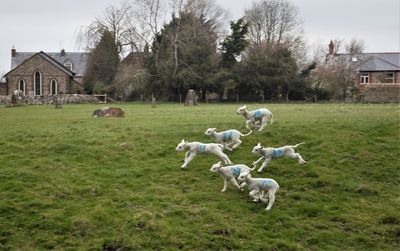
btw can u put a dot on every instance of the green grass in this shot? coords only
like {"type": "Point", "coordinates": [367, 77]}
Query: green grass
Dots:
{"type": "Point", "coordinates": [66, 183]}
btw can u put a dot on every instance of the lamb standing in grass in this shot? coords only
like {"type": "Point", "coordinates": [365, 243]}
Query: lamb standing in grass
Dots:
{"type": "Point", "coordinates": [231, 173]}
{"type": "Point", "coordinates": [197, 147]}
{"type": "Point", "coordinates": [270, 153]}
{"type": "Point", "coordinates": [225, 136]}
{"type": "Point", "coordinates": [256, 118]}
{"type": "Point", "coordinates": [260, 188]}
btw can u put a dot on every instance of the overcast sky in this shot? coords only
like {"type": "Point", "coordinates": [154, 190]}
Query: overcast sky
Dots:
{"type": "Point", "coordinates": [50, 25]}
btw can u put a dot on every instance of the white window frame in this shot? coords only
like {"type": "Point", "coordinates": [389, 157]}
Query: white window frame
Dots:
{"type": "Point", "coordinates": [34, 83]}
{"type": "Point", "coordinates": [51, 87]}
{"type": "Point", "coordinates": [364, 78]}
{"type": "Point", "coordinates": [19, 85]}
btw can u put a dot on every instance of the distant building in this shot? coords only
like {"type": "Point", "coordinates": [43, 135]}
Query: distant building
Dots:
{"type": "Point", "coordinates": [43, 73]}
{"type": "Point", "coordinates": [378, 74]}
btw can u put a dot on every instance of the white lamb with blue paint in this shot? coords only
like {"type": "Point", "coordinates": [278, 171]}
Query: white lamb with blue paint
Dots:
{"type": "Point", "coordinates": [197, 147]}
{"type": "Point", "coordinates": [231, 173]}
{"type": "Point", "coordinates": [256, 118]}
{"type": "Point", "coordinates": [260, 188]}
{"type": "Point", "coordinates": [232, 136]}
{"type": "Point", "coordinates": [269, 153]}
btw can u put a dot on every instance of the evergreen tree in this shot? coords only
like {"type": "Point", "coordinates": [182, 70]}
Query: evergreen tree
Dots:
{"type": "Point", "coordinates": [235, 43]}
{"type": "Point", "coordinates": [102, 66]}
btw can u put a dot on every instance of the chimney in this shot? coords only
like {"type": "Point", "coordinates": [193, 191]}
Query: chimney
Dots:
{"type": "Point", "coordinates": [331, 48]}
{"type": "Point", "coordinates": [62, 52]}
{"type": "Point", "coordinates": [13, 52]}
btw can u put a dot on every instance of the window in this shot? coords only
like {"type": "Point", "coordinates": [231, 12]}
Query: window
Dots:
{"type": "Point", "coordinates": [364, 78]}
{"type": "Point", "coordinates": [38, 83]}
{"type": "Point", "coordinates": [53, 87]}
{"type": "Point", "coordinates": [21, 86]}
{"type": "Point", "coordinates": [68, 66]}
{"type": "Point", "coordinates": [390, 76]}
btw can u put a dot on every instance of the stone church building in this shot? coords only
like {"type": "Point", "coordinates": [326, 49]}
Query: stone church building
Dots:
{"type": "Point", "coordinates": [39, 74]}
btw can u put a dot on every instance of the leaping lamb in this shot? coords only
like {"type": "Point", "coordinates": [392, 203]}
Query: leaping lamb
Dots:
{"type": "Point", "coordinates": [256, 118]}
{"type": "Point", "coordinates": [225, 136]}
{"type": "Point", "coordinates": [269, 153]}
{"type": "Point", "coordinates": [197, 147]}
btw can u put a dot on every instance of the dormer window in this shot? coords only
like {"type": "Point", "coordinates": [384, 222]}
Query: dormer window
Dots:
{"type": "Point", "coordinates": [68, 66]}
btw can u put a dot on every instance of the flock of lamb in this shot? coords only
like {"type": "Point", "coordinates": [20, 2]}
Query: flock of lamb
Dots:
{"type": "Point", "coordinates": [261, 189]}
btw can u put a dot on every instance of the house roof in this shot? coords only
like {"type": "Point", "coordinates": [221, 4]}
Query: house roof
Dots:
{"type": "Point", "coordinates": [79, 60]}
{"type": "Point", "coordinates": [50, 60]}
{"type": "Point", "coordinates": [389, 61]}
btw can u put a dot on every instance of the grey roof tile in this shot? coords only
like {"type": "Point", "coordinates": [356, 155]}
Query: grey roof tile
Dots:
{"type": "Point", "coordinates": [79, 60]}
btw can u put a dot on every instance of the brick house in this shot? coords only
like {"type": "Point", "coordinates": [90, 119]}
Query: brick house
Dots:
{"type": "Point", "coordinates": [378, 74]}
{"type": "Point", "coordinates": [39, 74]}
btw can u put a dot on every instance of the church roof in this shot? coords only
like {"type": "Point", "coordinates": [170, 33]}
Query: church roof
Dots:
{"type": "Point", "coordinates": [79, 60]}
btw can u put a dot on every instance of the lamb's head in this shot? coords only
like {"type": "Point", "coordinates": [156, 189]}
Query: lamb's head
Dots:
{"type": "Point", "coordinates": [181, 146]}
{"type": "Point", "coordinates": [243, 176]}
{"type": "Point", "coordinates": [215, 168]}
{"type": "Point", "coordinates": [210, 131]}
{"type": "Point", "coordinates": [242, 110]}
{"type": "Point", "coordinates": [257, 148]}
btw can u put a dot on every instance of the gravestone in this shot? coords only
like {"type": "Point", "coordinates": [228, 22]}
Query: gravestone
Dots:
{"type": "Point", "coordinates": [57, 102]}
{"type": "Point", "coordinates": [191, 98]}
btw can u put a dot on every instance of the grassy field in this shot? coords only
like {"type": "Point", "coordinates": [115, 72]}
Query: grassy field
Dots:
{"type": "Point", "coordinates": [66, 183]}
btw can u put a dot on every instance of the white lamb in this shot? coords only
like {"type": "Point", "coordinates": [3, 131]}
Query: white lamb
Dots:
{"type": "Point", "coordinates": [231, 173]}
{"type": "Point", "coordinates": [260, 188]}
{"type": "Point", "coordinates": [197, 147]}
{"type": "Point", "coordinates": [226, 136]}
{"type": "Point", "coordinates": [269, 153]}
{"type": "Point", "coordinates": [256, 118]}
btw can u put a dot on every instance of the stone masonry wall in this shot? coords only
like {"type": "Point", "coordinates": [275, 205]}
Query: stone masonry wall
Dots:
{"type": "Point", "coordinates": [27, 70]}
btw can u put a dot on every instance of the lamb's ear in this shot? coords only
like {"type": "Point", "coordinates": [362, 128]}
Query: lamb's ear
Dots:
{"type": "Point", "coordinates": [183, 141]}
{"type": "Point", "coordinates": [219, 163]}
{"type": "Point", "coordinates": [245, 106]}
{"type": "Point", "coordinates": [214, 129]}
{"type": "Point", "coordinates": [259, 144]}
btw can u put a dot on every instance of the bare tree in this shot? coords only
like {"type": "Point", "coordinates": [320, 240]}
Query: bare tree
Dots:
{"type": "Point", "coordinates": [355, 46]}
{"type": "Point", "coordinates": [337, 76]}
{"type": "Point", "coordinates": [273, 22]}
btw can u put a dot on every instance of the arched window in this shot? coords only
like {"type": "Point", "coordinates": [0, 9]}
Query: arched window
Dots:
{"type": "Point", "coordinates": [53, 87]}
{"type": "Point", "coordinates": [21, 86]}
{"type": "Point", "coordinates": [38, 83]}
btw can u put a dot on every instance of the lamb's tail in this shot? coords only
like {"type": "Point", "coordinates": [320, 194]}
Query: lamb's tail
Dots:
{"type": "Point", "coordinates": [244, 135]}
{"type": "Point", "coordinates": [295, 146]}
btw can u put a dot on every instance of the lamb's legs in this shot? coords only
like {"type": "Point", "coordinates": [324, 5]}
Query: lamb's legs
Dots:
{"type": "Point", "coordinates": [257, 161]}
{"type": "Point", "coordinates": [190, 158]}
{"type": "Point", "coordinates": [271, 199]}
{"type": "Point", "coordinates": [255, 195]}
{"type": "Point", "coordinates": [298, 157]}
{"type": "Point", "coordinates": [225, 158]}
{"type": "Point", "coordinates": [227, 147]}
{"type": "Point", "coordinates": [225, 185]}
{"type": "Point", "coordinates": [263, 124]}
{"type": "Point", "coordinates": [264, 164]}
{"type": "Point", "coordinates": [236, 143]}
{"type": "Point", "coordinates": [248, 122]}
{"type": "Point", "coordinates": [187, 155]}
{"type": "Point", "coordinates": [234, 182]}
